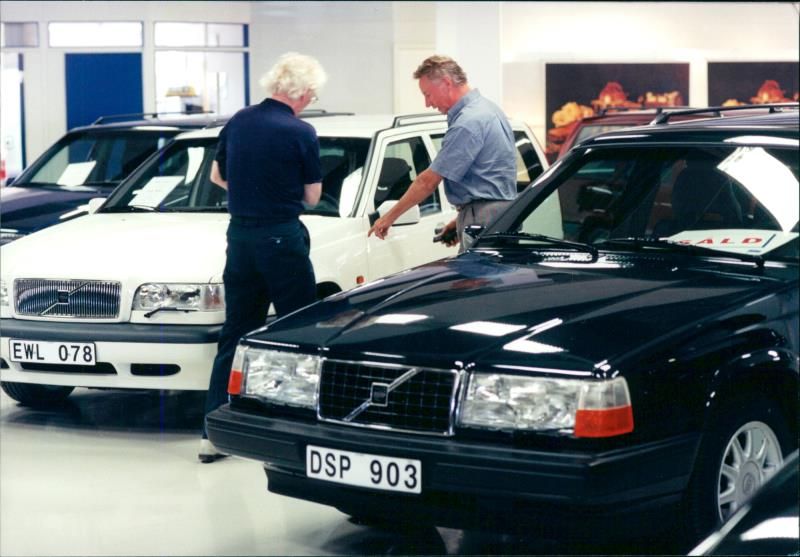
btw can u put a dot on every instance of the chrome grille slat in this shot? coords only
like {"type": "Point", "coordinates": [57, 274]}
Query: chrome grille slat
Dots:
{"type": "Point", "coordinates": [88, 299]}
{"type": "Point", "coordinates": [422, 404]}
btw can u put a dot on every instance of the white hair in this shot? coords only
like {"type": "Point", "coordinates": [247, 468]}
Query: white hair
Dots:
{"type": "Point", "coordinates": [294, 74]}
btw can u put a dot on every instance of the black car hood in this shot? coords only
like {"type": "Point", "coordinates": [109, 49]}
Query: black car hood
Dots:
{"type": "Point", "coordinates": [28, 209]}
{"type": "Point", "coordinates": [475, 310]}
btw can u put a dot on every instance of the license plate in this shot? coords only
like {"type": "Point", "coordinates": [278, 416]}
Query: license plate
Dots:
{"type": "Point", "coordinates": [364, 470]}
{"type": "Point", "coordinates": [68, 353]}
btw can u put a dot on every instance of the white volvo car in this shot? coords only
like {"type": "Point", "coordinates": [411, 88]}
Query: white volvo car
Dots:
{"type": "Point", "coordinates": [131, 295]}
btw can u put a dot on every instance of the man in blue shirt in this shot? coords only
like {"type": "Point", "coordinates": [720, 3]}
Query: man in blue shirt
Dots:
{"type": "Point", "coordinates": [268, 160]}
{"type": "Point", "coordinates": [478, 156]}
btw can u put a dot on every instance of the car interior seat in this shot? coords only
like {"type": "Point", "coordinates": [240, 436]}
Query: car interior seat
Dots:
{"type": "Point", "coordinates": [702, 198]}
{"type": "Point", "coordinates": [394, 180]}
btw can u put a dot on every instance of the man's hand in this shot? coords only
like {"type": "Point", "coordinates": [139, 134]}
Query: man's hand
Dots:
{"type": "Point", "coordinates": [381, 228]}
{"type": "Point", "coordinates": [449, 234]}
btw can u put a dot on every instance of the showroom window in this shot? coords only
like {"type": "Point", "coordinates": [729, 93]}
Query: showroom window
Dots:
{"type": "Point", "coordinates": [19, 34]}
{"type": "Point", "coordinates": [95, 34]}
{"type": "Point", "coordinates": [201, 67]}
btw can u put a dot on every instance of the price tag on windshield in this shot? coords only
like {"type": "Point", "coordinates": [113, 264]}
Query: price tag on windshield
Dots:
{"type": "Point", "coordinates": [155, 191]}
{"type": "Point", "coordinates": [76, 173]}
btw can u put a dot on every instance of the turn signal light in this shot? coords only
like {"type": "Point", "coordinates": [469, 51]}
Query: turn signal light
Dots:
{"type": "Point", "coordinates": [236, 376]}
{"type": "Point", "coordinates": [604, 423]}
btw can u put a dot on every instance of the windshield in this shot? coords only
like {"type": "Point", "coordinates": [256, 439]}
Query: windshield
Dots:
{"type": "Point", "coordinates": [178, 180]}
{"type": "Point", "coordinates": [739, 199]}
{"type": "Point", "coordinates": [94, 158]}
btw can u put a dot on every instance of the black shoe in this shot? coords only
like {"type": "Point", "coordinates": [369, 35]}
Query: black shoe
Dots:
{"type": "Point", "coordinates": [208, 452]}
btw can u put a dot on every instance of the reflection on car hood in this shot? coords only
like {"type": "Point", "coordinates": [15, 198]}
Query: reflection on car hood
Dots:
{"type": "Point", "coordinates": [30, 209]}
{"type": "Point", "coordinates": [473, 310]}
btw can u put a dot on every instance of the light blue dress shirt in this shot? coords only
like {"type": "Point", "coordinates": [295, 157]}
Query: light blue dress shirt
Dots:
{"type": "Point", "coordinates": [478, 154]}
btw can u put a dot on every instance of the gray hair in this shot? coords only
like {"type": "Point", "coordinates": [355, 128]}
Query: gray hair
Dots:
{"type": "Point", "coordinates": [436, 67]}
{"type": "Point", "coordinates": [294, 74]}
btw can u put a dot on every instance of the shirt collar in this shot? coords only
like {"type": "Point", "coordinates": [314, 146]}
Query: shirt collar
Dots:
{"type": "Point", "coordinates": [272, 103]}
{"type": "Point", "coordinates": [455, 110]}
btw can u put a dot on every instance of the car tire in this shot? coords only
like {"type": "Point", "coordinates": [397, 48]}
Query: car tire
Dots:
{"type": "Point", "coordinates": [745, 444]}
{"type": "Point", "coordinates": [39, 396]}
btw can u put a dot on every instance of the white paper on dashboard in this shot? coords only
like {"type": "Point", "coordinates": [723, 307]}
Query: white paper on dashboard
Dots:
{"type": "Point", "coordinates": [76, 173]}
{"type": "Point", "coordinates": [155, 191]}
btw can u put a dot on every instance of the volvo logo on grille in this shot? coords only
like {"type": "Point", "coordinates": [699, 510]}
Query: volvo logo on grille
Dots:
{"type": "Point", "coordinates": [379, 394]}
{"type": "Point", "coordinates": [62, 297]}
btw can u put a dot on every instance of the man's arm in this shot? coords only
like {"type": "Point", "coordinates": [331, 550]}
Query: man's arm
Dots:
{"type": "Point", "coordinates": [312, 194]}
{"type": "Point", "coordinates": [425, 184]}
{"type": "Point", "coordinates": [216, 176]}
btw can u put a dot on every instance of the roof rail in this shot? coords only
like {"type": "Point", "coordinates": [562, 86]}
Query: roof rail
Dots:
{"type": "Point", "coordinates": [421, 118]}
{"type": "Point", "coordinates": [717, 111]}
{"type": "Point", "coordinates": [319, 113]}
{"type": "Point", "coordinates": [142, 115]}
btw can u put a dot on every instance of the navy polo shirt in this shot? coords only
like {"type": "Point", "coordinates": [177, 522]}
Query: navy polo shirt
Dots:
{"type": "Point", "coordinates": [267, 155]}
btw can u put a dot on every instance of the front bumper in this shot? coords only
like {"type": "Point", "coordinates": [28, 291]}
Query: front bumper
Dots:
{"type": "Point", "coordinates": [132, 355]}
{"type": "Point", "coordinates": [468, 483]}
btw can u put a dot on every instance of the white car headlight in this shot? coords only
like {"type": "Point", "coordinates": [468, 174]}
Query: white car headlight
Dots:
{"type": "Point", "coordinates": [586, 408]}
{"type": "Point", "coordinates": [276, 377]}
{"type": "Point", "coordinates": [191, 297]}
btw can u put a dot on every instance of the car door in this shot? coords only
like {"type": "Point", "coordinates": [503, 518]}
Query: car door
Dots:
{"type": "Point", "coordinates": [401, 158]}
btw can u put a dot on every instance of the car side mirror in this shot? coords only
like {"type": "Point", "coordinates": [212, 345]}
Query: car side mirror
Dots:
{"type": "Point", "coordinates": [412, 216]}
{"type": "Point", "coordinates": [94, 204]}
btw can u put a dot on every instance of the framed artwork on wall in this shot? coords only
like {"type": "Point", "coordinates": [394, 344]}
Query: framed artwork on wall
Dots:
{"type": "Point", "coordinates": [737, 83]}
{"type": "Point", "coordinates": [575, 91]}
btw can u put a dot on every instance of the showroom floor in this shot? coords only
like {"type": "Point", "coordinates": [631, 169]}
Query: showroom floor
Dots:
{"type": "Point", "coordinates": [115, 473]}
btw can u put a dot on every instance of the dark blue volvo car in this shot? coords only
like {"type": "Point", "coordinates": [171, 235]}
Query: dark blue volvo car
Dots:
{"type": "Point", "coordinates": [619, 348]}
{"type": "Point", "coordinates": [87, 162]}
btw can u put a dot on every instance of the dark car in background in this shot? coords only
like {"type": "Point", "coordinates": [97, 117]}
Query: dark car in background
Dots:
{"type": "Point", "coordinates": [768, 524]}
{"type": "Point", "coordinates": [87, 162]}
{"type": "Point", "coordinates": [636, 364]}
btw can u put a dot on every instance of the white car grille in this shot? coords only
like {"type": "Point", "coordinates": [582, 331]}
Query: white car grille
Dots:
{"type": "Point", "coordinates": [90, 299]}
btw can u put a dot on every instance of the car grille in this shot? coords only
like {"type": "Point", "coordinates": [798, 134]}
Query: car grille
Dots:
{"type": "Point", "coordinates": [419, 400]}
{"type": "Point", "coordinates": [91, 299]}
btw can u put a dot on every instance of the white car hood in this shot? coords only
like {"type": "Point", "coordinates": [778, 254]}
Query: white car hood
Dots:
{"type": "Point", "coordinates": [136, 248]}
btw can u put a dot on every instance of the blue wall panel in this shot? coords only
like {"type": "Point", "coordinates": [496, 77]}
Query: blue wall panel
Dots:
{"type": "Point", "coordinates": [102, 84]}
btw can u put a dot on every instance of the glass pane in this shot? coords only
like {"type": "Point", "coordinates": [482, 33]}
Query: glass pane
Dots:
{"type": "Point", "coordinates": [403, 161]}
{"type": "Point", "coordinates": [100, 34]}
{"type": "Point", "coordinates": [225, 34]}
{"type": "Point", "coordinates": [19, 34]}
{"type": "Point", "coordinates": [180, 34]}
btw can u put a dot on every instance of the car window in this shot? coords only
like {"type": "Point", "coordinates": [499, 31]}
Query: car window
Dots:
{"type": "Point", "coordinates": [528, 165]}
{"type": "Point", "coordinates": [402, 162]}
{"type": "Point", "coordinates": [340, 158]}
{"type": "Point", "coordinates": [92, 158]}
{"type": "Point", "coordinates": [740, 199]}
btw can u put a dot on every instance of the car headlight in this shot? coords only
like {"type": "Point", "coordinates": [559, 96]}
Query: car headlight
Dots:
{"type": "Point", "coordinates": [276, 377]}
{"type": "Point", "coordinates": [9, 235]}
{"type": "Point", "coordinates": [3, 293]}
{"type": "Point", "coordinates": [586, 408]}
{"type": "Point", "coordinates": [191, 297]}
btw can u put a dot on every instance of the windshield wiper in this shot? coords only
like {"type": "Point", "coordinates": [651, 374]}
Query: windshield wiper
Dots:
{"type": "Point", "coordinates": [642, 243]}
{"type": "Point", "coordinates": [525, 236]}
{"type": "Point", "coordinates": [129, 209]}
{"type": "Point", "coordinates": [195, 210]}
{"type": "Point", "coordinates": [168, 308]}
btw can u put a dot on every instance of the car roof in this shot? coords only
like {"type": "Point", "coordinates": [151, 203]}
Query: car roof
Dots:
{"type": "Point", "coordinates": [346, 124]}
{"type": "Point", "coordinates": [152, 121]}
{"type": "Point", "coordinates": [783, 123]}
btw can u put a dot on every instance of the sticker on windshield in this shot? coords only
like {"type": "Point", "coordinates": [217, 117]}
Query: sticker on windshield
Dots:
{"type": "Point", "coordinates": [75, 174]}
{"type": "Point", "coordinates": [155, 191]}
{"type": "Point", "coordinates": [755, 242]}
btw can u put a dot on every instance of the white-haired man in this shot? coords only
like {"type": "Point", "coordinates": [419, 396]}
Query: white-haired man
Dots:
{"type": "Point", "coordinates": [477, 159]}
{"type": "Point", "coordinates": [268, 160]}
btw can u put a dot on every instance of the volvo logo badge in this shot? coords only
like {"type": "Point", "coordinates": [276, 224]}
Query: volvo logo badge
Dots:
{"type": "Point", "coordinates": [62, 297]}
{"type": "Point", "coordinates": [379, 394]}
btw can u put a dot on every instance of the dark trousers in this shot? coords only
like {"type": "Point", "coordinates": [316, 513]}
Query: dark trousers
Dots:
{"type": "Point", "coordinates": [266, 263]}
